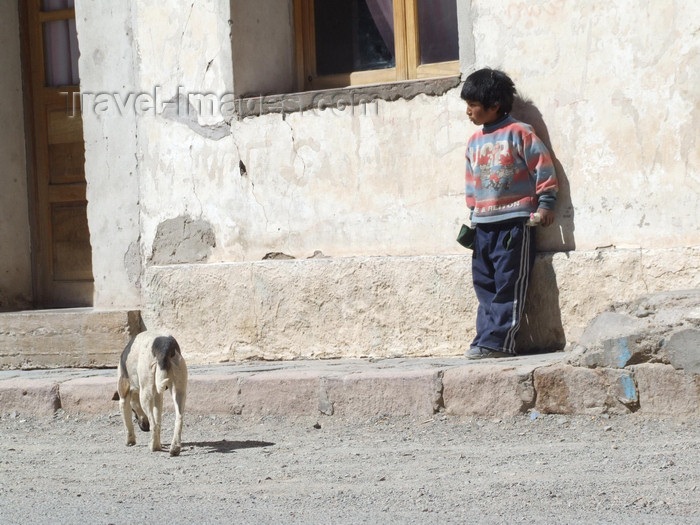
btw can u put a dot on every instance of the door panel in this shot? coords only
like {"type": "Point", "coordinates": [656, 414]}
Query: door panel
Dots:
{"type": "Point", "coordinates": [71, 246]}
{"type": "Point", "coordinates": [62, 255]}
{"type": "Point", "coordinates": [66, 163]}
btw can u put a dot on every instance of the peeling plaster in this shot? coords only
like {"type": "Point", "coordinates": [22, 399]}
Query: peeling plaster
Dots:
{"type": "Point", "coordinates": [132, 263]}
{"type": "Point", "coordinates": [343, 97]}
{"type": "Point", "coordinates": [182, 111]}
{"type": "Point", "coordinates": [182, 240]}
{"type": "Point", "coordinates": [389, 182]}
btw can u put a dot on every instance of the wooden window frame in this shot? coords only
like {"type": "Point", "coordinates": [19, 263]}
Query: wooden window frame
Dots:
{"type": "Point", "coordinates": [407, 52]}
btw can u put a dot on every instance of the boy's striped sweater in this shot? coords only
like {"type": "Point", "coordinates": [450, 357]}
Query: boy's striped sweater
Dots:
{"type": "Point", "coordinates": [509, 172]}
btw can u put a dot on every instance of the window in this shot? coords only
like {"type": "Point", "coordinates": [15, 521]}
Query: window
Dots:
{"type": "Point", "coordinates": [352, 42]}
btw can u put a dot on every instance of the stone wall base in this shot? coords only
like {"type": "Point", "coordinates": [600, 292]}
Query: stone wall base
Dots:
{"type": "Point", "coordinates": [389, 306]}
{"type": "Point", "coordinates": [80, 337]}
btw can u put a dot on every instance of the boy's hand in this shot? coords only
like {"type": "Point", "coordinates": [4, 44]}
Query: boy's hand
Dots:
{"type": "Point", "coordinates": [547, 216]}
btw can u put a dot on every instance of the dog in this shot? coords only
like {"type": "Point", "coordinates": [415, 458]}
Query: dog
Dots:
{"type": "Point", "coordinates": [150, 364]}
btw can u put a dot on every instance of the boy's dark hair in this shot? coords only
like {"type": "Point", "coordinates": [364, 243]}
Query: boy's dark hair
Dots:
{"type": "Point", "coordinates": [489, 87]}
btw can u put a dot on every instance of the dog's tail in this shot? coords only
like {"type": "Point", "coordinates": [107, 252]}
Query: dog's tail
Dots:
{"type": "Point", "coordinates": [166, 350]}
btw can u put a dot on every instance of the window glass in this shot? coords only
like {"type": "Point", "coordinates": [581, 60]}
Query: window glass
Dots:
{"type": "Point", "coordinates": [354, 35]}
{"type": "Point", "coordinates": [61, 53]}
{"type": "Point", "coordinates": [437, 27]}
{"type": "Point", "coordinates": [56, 5]}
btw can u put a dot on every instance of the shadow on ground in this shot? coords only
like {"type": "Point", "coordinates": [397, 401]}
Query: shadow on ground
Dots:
{"type": "Point", "coordinates": [225, 447]}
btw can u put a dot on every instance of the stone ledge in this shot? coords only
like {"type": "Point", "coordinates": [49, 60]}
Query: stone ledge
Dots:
{"type": "Point", "coordinates": [341, 99]}
{"type": "Point", "coordinates": [485, 389]}
{"type": "Point", "coordinates": [664, 391]}
{"type": "Point", "coordinates": [488, 390]}
{"type": "Point", "coordinates": [565, 389]}
{"type": "Point", "coordinates": [80, 337]}
{"type": "Point", "coordinates": [388, 306]}
{"type": "Point", "coordinates": [39, 396]}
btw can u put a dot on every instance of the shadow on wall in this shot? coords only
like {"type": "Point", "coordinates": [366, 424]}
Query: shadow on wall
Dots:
{"type": "Point", "coordinates": [560, 236]}
{"type": "Point", "coordinates": [541, 328]}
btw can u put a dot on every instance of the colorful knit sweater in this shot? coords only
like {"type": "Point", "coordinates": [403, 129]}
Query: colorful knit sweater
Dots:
{"type": "Point", "coordinates": [509, 172]}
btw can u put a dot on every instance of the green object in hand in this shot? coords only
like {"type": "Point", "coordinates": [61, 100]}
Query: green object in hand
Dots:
{"type": "Point", "coordinates": [466, 236]}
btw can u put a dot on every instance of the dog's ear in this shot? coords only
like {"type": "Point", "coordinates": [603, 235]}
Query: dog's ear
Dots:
{"type": "Point", "coordinates": [115, 397]}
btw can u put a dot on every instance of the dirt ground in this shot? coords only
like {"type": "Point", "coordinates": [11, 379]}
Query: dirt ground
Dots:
{"type": "Point", "coordinates": [541, 469]}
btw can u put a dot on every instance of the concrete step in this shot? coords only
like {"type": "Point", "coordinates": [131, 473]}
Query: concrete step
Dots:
{"type": "Point", "coordinates": [76, 337]}
{"type": "Point", "coordinates": [362, 388]}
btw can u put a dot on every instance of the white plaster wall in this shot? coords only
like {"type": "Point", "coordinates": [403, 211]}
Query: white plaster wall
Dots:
{"type": "Point", "coordinates": [15, 262]}
{"type": "Point", "coordinates": [611, 86]}
{"type": "Point", "coordinates": [384, 179]}
{"type": "Point", "coordinates": [263, 46]}
{"type": "Point", "coordinates": [321, 180]}
{"type": "Point", "coordinates": [466, 36]}
{"type": "Point", "coordinates": [183, 49]}
{"type": "Point", "coordinates": [616, 101]}
{"type": "Point", "coordinates": [133, 49]}
{"type": "Point", "coordinates": [108, 66]}
{"type": "Point", "coordinates": [377, 180]}
{"type": "Point", "coordinates": [342, 182]}
{"type": "Point", "coordinates": [183, 169]}
{"type": "Point", "coordinates": [618, 85]}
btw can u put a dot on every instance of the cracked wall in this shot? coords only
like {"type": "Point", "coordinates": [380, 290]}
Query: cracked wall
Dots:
{"type": "Point", "coordinates": [386, 178]}
{"type": "Point", "coordinates": [616, 102]}
{"type": "Point", "coordinates": [108, 65]}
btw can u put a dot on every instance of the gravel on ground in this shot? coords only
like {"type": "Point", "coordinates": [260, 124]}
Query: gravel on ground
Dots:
{"type": "Point", "coordinates": [529, 469]}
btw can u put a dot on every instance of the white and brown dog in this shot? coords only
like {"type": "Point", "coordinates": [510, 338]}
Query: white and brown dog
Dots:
{"type": "Point", "coordinates": [150, 364]}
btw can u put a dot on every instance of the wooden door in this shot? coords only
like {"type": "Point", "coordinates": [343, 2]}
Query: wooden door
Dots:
{"type": "Point", "coordinates": [62, 255]}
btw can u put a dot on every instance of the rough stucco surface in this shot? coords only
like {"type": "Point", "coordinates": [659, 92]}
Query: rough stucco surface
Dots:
{"type": "Point", "coordinates": [612, 87]}
{"type": "Point", "coordinates": [386, 179]}
{"type": "Point", "coordinates": [107, 65]}
{"type": "Point", "coordinates": [263, 46]}
{"type": "Point", "coordinates": [313, 181]}
{"type": "Point", "coordinates": [383, 307]}
{"type": "Point", "coordinates": [618, 85]}
{"type": "Point", "coordinates": [182, 240]}
{"type": "Point", "coordinates": [15, 264]}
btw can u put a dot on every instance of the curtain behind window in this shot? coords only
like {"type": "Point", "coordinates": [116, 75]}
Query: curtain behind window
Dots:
{"type": "Point", "coordinates": [437, 26]}
{"type": "Point", "coordinates": [383, 14]}
{"type": "Point", "coordinates": [60, 46]}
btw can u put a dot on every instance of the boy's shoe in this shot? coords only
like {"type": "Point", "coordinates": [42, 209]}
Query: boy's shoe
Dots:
{"type": "Point", "coordinates": [479, 352]}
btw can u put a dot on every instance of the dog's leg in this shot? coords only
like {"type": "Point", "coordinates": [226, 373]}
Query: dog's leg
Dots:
{"type": "Point", "coordinates": [124, 407]}
{"type": "Point", "coordinates": [148, 402]}
{"type": "Point", "coordinates": [157, 419]}
{"type": "Point", "coordinates": [128, 423]}
{"type": "Point", "coordinates": [179, 396]}
{"type": "Point", "coordinates": [140, 414]}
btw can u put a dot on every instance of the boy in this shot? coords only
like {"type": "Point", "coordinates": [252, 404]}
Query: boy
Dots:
{"type": "Point", "coordinates": [509, 177]}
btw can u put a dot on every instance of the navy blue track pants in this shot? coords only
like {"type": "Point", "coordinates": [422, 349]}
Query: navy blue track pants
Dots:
{"type": "Point", "coordinates": [503, 256]}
